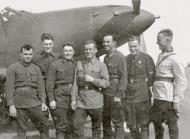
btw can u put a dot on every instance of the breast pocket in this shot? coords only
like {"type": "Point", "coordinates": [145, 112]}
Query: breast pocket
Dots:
{"type": "Point", "coordinates": [140, 69]}
{"type": "Point", "coordinates": [42, 66]}
{"type": "Point", "coordinates": [95, 73]}
{"type": "Point", "coordinates": [34, 76]}
{"type": "Point", "coordinates": [165, 66]}
{"type": "Point", "coordinates": [20, 77]}
{"type": "Point", "coordinates": [61, 74]}
{"type": "Point", "coordinates": [112, 68]}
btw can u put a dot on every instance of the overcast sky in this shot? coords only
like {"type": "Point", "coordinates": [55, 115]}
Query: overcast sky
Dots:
{"type": "Point", "coordinates": [175, 14]}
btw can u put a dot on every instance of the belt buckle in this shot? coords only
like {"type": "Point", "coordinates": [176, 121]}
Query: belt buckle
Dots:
{"type": "Point", "coordinates": [86, 87]}
{"type": "Point", "coordinates": [25, 88]}
{"type": "Point", "coordinates": [70, 85]}
{"type": "Point", "coordinates": [131, 80]}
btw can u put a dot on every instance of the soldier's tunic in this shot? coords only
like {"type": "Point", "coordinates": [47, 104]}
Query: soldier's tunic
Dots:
{"type": "Point", "coordinates": [169, 86]}
{"type": "Point", "coordinates": [25, 89]}
{"type": "Point", "coordinates": [43, 60]}
{"type": "Point", "coordinates": [59, 84]}
{"type": "Point", "coordinates": [118, 80]}
{"type": "Point", "coordinates": [140, 71]}
{"type": "Point", "coordinates": [88, 96]}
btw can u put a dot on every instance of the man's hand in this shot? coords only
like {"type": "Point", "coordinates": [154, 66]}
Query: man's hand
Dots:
{"type": "Point", "coordinates": [73, 105]}
{"type": "Point", "coordinates": [52, 104]}
{"type": "Point", "coordinates": [116, 99]}
{"type": "Point", "coordinates": [44, 107]}
{"type": "Point", "coordinates": [88, 78]}
{"type": "Point", "coordinates": [12, 111]}
{"type": "Point", "coordinates": [176, 107]}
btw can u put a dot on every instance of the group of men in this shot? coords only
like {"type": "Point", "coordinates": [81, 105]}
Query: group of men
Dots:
{"type": "Point", "coordinates": [110, 92]}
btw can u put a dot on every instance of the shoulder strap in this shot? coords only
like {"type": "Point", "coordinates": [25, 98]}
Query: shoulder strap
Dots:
{"type": "Point", "coordinates": [164, 58]}
{"type": "Point", "coordinates": [81, 66]}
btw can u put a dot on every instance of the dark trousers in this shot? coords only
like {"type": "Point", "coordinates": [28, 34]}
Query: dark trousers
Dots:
{"type": "Point", "coordinates": [162, 112]}
{"type": "Point", "coordinates": [137, 118]}
{"type": "Point", "coordinates": [63, 120]}
{"type": "Point", "coordinates": [112, 112]}
{"type": "Point", "coordinates": [36, 116]}
{"type": "Point", "coordinates": [80, 118]}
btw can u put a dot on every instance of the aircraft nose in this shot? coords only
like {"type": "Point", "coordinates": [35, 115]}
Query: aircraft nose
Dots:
{"type": "Point", "coordinates": [127, 23]}
{"type": "Point", "coordinates": [142, 22]}
{"type": "Point", "coordinates": [123, 25]}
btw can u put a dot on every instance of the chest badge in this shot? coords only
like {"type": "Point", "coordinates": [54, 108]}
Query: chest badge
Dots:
{"type": "Point", "coordinates": [139, 63]}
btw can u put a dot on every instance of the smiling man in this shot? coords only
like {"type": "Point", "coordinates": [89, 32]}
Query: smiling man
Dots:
{"type": "Point", "coordinates": [46, 56]}
{"type": "Point", "coordinates": [59, 84]}
{"type": "Point", "coordinates": [141, 71]}
{"type": "Point", "coordinates": [168, 88]}
{"type": "Point", "coordinates": [91, 76]}
{"type": "Point", "coordinates": [113, 111]}
{"type": "Point", "coordinates": [25, 93]}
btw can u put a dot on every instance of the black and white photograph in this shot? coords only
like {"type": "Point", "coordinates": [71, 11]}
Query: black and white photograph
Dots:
{"type": "Point", "coordinates": [104, 69]}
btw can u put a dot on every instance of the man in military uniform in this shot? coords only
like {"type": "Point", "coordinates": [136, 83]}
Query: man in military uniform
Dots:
{"type": "Point", "coordinates": [168, 88]}
{"type": "Point", "coordinates": [113, 111]}
{"type": "Point", "coordinates": [25, 93]}
{"type": "Point", "coordinates": [140, 72]}
{"type": "Point", "coordinates": [91, 77]}
{"type": "Point", "coordinates": [59, 83]}
{"type": "Point", "coordinates": [45, 57]}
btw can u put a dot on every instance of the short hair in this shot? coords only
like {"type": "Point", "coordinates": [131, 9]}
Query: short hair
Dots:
{"type": "Point", "coordinates": [72, 44]}
{"type": "Point", "coordinates": [134, 38]}
{"type": "Point", "coordinates": [167, 32]}
{"type": "Point", "coordinates": [46, 36]}
{"type": "Point", "coordinates": [26, 47]}
{"type": "Point", "coordinates": [111, 34]}
{"type": "Point", "coordinates": [90, 42]}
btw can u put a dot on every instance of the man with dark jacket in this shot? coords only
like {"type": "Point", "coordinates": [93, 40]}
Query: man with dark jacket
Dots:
{"type": "Point", "coordinates": [25, 93]}
{"type": "Point", "coordinates": [140, 72]}
{"type": "Point", "coordinates": [59, 84]}
{"type": "Point", "coordinates": [113, 111]}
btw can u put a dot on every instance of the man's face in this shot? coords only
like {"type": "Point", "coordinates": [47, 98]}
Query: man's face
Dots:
{"type": "Point", "coordinates": [26, 55]}
{"type": "Point", "coordinates": [134, 47]}
{"type": "Point", "coordinates": [90, 51]}
{"type": "Point", "coordinates": [108, 43]}
{"type": "Point", "coordinates": [163, 41]}
{"type": "Point", "coordinates": [68, 52]}
{"type": "Point", "coordinates": [48, 46]}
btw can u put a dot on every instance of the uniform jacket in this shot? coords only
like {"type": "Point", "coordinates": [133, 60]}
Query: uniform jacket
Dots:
{"type": "Point", "coordinates": [24, 85]}
{"type": "Point", "coordinates": [141, 72]}
{"type": "Point", "coordinates": [59, 81]}
{"type": "Point", "coordinates": [170, 67]}
{"type": "Point", "coordinates": [91, 98]}
{"type": "Point", "coordinates": [43, 60]}
{"type": "Point", "coordinates": [117, 73]}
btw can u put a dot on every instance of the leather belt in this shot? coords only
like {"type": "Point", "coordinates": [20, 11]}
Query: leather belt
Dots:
{"type": "Point", "coordinates": [132, 80]}
{"type": "Point", "coordinates": [165, 79]}
{"type": "Point", "coordinates": [114, 79]}
{"type": "Point", "coordinates": [87, 87]}
{"type": "Point", "coordinates": [24, 87]}
{"type": "Point", "coordinates": [65, 84]}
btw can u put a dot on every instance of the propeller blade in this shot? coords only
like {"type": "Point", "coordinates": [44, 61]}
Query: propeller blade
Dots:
{"type": "Point", "coordinates": [136, 6]}
{"type": "Point", "coordinates": [142, 43]}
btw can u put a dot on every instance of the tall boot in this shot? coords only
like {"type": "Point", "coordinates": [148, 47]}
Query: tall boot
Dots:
{"type": "Point", "coordinates": [59, 135]}
{"type": "Point", "coordinates": [44, 135]}
{"type": "Point", "coordinates": [20, 134]}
